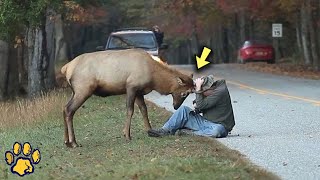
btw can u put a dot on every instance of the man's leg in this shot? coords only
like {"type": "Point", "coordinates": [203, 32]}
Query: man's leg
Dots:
{"type": "Point", "coordinates": [211, 129]}
{"type": "Point", "coordinates": [182, 118]}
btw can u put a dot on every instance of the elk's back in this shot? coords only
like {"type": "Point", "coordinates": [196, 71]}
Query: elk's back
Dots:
{"type": "Point", "coordinates": [113, 70]}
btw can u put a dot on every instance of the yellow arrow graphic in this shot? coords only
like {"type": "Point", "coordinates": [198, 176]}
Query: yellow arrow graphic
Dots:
{"type": "Point", "coordinates": [202, 60]}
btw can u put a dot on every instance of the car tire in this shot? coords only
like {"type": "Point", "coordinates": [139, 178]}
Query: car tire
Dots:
{"type": "Point", "coordinates": [271, 61]}
{"type": "Point", "coordinates": [241, 61]}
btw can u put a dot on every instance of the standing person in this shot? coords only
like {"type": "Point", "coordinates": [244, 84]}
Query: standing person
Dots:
{"type": "Point", "coordinates": [159, 37]}
{"type": "Point", "coordinates": [213, 100]}
{"type": "Point", "coordinates": [159, 34]}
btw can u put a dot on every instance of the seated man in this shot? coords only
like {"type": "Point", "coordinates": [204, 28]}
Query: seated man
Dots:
{"type": "Point", "coordinates": [213, 100]}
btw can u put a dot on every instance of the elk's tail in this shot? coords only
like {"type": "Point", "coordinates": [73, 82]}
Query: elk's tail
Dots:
{"type": "Point", "coordinates": [64, 71]}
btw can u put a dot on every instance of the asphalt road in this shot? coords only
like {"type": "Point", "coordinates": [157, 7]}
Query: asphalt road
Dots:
{"type": "Point", "coordinates": [277, 119]}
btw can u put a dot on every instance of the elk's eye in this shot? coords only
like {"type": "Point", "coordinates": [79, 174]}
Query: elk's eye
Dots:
{"type": "Point", "coordinates": [184, 94]}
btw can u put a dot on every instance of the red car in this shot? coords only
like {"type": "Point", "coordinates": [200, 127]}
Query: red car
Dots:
{"type": "Point", "coordinates": [256, 51]}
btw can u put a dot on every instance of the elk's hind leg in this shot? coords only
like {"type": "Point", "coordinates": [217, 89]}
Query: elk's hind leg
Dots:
{"type": "Point", "coordinates": [143, 109]}
{"type": "Point", "coordinates": [73, 105]}
{"type": "Point", "coordinates": [66, 134]}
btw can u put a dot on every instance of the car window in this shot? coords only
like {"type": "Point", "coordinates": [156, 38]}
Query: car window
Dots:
{"type": "Point", "coordinates": [247, 43]}
{"type": "Point", "coordinates": [138, 40]}
{"type": "Point", "coordinates": [255, 42]}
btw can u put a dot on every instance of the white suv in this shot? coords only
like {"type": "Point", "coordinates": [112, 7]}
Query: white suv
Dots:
{"type": "Point", "coordinates": [135, 38]}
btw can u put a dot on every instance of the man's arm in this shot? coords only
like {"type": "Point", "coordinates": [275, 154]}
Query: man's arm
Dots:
{"type": "Point", "coordinates": [208, 102]}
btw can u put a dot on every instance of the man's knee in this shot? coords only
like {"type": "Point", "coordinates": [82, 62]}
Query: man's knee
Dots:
{"type": "Point", "coordinates": [219, 133]}
{"type": "Point", "coordinates": [184, 109]}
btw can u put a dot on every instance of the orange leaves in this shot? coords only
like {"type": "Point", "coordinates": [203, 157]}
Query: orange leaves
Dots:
{"type": "Point", "coordinates": [88, 15]}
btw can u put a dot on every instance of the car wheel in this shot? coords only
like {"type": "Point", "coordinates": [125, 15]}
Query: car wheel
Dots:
{"type": "Point", "coordinates": [271, 61]}
{"type": "Point", "coordinates": [241, 61]}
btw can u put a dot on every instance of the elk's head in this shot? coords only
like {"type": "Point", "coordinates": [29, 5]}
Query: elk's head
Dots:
{"type": "Point", "coordinates": [184, 86]}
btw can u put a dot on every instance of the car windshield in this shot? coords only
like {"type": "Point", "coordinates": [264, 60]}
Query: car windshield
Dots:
{"type": "Point", "coordinates": [255, 42]}
{"type": "Point", "coordinates": [132, 40]}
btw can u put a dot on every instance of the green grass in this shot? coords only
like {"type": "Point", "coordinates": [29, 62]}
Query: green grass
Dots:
{"type": "Point", "coordinates": [106, 155]}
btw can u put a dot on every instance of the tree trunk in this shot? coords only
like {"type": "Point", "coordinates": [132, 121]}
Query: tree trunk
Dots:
{"type": "Point", "coordinates": [251, 29]}
{"type": "Point", "coordinates": [38, 61]}
{"type": "Point", "coordinates": [51, 49]}
{"type": "Point", "coordinates": [298, 35]}
{"type": "Point", "coordinates": [314, 14]}
{"type": "Point", "coordinates": [305, 34]}
{"type": "Point", "coordinates": [242, 23]}
{"type": "Point", "coordinates": [318, 32]}
{"type": "Point", "coordinates": [61, 53]}
{"type": "Point", "coordinates": [233, 39]}
{"type": "Point", "coordinates": [4, 55]}
{"type": "Point", "coordinates": [225, 45]}
{"type": "Point", "coordinates": [313, 35]}
{"type": "Point", "coordinates": [22, 62]}
{"type": "Point", "coordinates": [13, 75]}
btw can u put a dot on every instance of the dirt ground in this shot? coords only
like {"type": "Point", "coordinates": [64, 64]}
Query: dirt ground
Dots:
{"type": "Point", "coordinates": [282, 68]}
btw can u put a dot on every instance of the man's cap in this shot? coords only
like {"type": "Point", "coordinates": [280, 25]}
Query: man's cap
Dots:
{"type": "Point", "coordinates": [207, 82]}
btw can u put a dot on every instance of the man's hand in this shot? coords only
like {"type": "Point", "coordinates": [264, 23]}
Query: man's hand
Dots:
{"type": "Point", "coordinates": [198, 82]}
{"type": "Point", "coordinates": [194, 105]}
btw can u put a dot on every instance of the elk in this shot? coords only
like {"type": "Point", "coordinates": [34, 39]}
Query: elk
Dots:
{"type": "Point", "coordinates": [114, 72]}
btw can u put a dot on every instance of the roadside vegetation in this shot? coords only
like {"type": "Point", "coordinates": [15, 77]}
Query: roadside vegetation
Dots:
{"type": "Point", "coordinates": [104, 153]}
{"type": "Point", "coordinates": [283, 68]}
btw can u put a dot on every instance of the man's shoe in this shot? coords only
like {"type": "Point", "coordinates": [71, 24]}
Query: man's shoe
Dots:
{"type": "Point", "coordinates": [158, 132]}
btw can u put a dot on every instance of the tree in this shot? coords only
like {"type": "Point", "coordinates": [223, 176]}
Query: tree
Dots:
{"type": "Point", "coordinates": [32, 28]}
{"type": "Point", "coordinates": [4, 54]}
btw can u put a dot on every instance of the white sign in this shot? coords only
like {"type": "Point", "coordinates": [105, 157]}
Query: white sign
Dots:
{"type": "Point", "coordinates": [276, 30]}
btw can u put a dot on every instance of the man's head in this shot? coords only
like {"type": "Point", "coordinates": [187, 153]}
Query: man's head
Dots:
{"type": "Point", "coordinates": [208, 81]}
{"type": "Point", "coordinates": [156, 28]}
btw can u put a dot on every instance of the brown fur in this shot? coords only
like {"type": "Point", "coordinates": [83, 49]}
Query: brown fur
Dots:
{"type": "Point", "coordinates": [132, 72]}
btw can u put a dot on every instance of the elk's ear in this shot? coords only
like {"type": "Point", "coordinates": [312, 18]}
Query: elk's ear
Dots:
{"type": "Point", "coordinates": [180, 81]}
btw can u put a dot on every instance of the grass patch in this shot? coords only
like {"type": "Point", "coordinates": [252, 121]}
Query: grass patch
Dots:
{"type": "Point", "coordinates": [106, 155]}
{"type": "Point", "coordinates": [22, 112]}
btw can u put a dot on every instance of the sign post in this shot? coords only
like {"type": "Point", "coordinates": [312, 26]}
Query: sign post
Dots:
{"type": "Point", "coordinates": [276, 34]}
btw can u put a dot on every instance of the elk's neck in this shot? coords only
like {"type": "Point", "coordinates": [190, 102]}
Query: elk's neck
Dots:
{"type": "Point", "coordinates": [164, 81]}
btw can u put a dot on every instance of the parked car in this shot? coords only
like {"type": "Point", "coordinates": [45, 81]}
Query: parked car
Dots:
{"type": "Point", "coordinates": [254, 50]}
{"type": "Point", "coordinates": [134, 38]}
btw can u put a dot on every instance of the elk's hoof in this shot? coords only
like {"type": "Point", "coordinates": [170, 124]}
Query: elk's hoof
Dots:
{"type": "Point", "coordinates": [72, 144]}
{"type": "Point", "coordinates": [128, 139]}
{"type": "Point", "coordinates": [147, 129]}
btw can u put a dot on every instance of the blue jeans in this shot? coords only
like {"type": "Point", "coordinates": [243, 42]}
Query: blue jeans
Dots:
{"type": "Point", "coordinates": [185, 118]}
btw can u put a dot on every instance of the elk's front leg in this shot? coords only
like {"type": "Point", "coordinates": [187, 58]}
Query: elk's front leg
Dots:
{"type": "Point", "coordinates": [143, 109]}
{"type": "Point", "coordinates": [131, 96]}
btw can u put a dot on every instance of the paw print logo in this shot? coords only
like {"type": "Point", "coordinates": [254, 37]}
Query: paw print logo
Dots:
{"type": "Point", "coordinates": [22, 158]}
